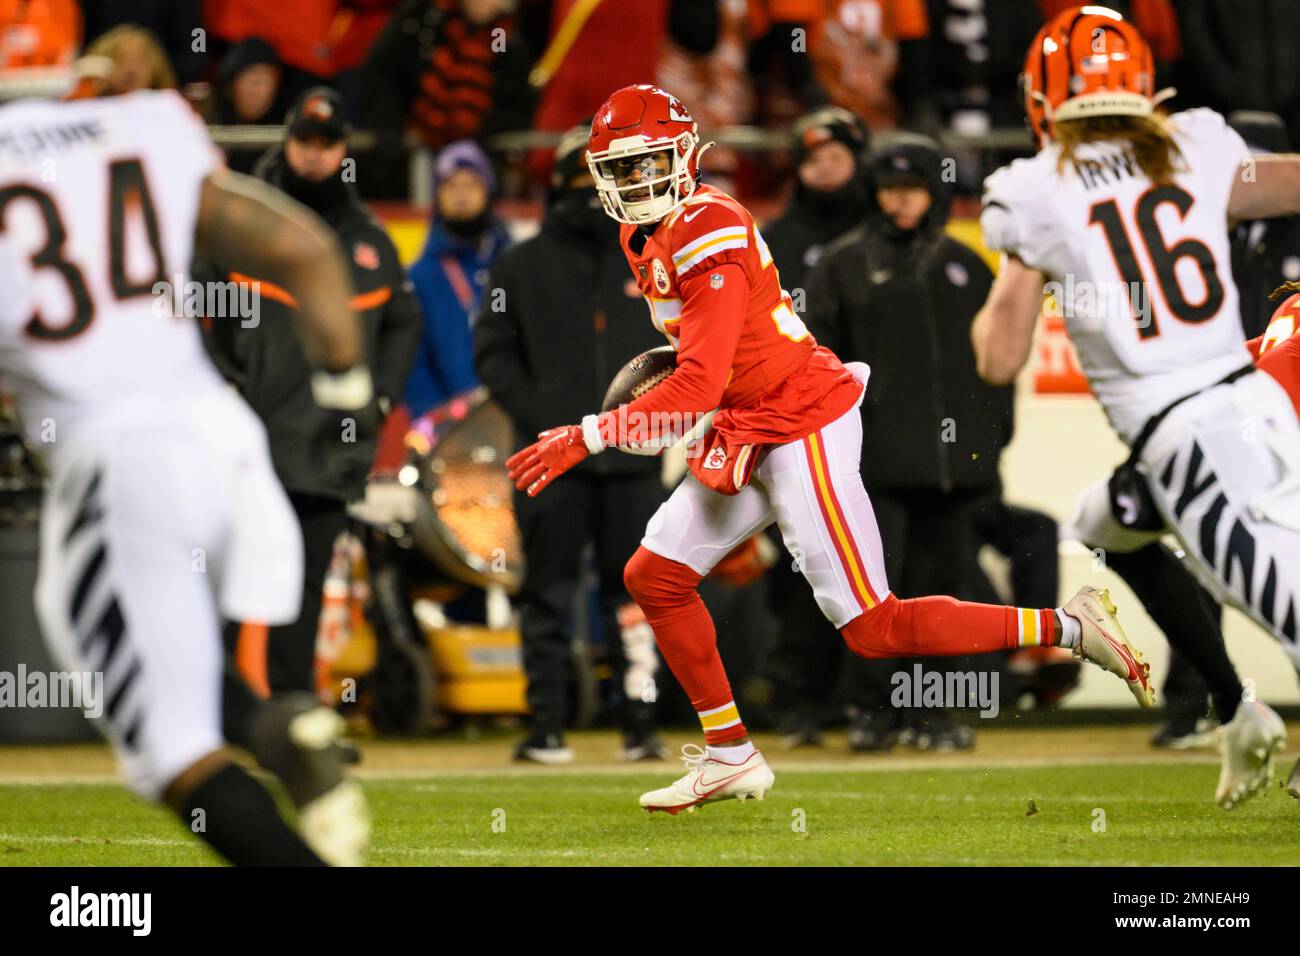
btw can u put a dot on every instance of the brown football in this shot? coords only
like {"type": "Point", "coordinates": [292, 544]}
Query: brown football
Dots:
{"type": "Point", "coordinates": [639, 376]}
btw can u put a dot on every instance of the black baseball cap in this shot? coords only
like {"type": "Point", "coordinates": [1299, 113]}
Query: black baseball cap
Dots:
{"type": "Point", "coordinates": [826, 124]}
{"type": "Point", "coordinates": [319, 111]}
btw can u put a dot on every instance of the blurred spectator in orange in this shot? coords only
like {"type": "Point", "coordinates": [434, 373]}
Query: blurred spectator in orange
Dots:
{"type": "Point", "coordinates": [322, 38]}
{"type": "Point", "coordinates": [778, 56]}
{"type": "Point", "coordinates": [594, 47]}
{"type": "Point", "coordinates": [597, 47]}
{"type": "Point", "coordinates": [177, 24]}
{"type": "Point", "coordinates": [713, 82]}
{"type": "Point", "coordinates": [866, 54]}
{"type": "Point", "coordinates": [38, 32]}
{"type": "Point", "coordinates": [449, 69]}
{"type": "Point", "coordinates": [138, 61]}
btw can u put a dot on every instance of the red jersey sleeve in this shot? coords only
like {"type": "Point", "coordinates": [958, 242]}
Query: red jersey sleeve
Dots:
{"type": "Point", "coordinates": [708, 233]}
{"type": "Point", "coordinates": [713, 315]}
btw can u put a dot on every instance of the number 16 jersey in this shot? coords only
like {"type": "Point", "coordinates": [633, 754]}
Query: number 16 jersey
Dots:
{"type": "Point", "coordinates": [1141, 272]}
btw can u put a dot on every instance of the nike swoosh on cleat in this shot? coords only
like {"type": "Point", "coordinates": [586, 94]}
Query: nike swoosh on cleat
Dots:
{"type": "Point", "coordinates": [695, 786]}
{"type": "Point", "coordinates": [1134, 673]}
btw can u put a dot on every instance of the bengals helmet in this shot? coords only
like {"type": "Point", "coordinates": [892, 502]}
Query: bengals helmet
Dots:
{"type": "Point", "coordinates": [1087, 61]}
{"type": "Point", "coordinates": [635, 123]}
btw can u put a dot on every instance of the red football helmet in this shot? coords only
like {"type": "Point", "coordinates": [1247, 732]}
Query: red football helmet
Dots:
{"type": "Point", "coordinates": [633, 125]}
{"type": "Point", "coordinates": [1087, 61]}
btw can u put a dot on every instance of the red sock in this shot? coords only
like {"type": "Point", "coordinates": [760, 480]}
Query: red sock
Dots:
{"type": "Point", "coordinates": [667, 592]}
{"type": "Point", "coordinates": [944, 627]}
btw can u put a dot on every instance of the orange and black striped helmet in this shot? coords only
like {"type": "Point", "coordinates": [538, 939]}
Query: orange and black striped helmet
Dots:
{"type": "Point", "coordinates": [1086, 61]}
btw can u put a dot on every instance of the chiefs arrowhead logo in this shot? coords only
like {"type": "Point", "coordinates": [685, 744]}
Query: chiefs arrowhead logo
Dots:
{"type": "Point", "coordinates": [716, 460]}
{"type": "Point", "coordinates": [661, 277]}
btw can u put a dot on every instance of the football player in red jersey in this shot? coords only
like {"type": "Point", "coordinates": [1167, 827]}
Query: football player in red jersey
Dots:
{"type": "Point", "coordinates": [1277, 351]}
{"type": "Point", "coordinates": [784, 446]}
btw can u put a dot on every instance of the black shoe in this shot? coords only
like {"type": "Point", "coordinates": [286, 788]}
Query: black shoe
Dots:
{"type": "Point", "coordinates": [873, 731]}
{"type": "Point", "coordinates": [801, 732]}
{"type": "Point", "coordinates": [543, 748]}
{"type": "Point", "coordinates": [936, 730]}
{"type": "Point", "coordinates": [1185, 733]}
{"type": "Point", "coordinates": [349, 752]}
{"type": "Point", "coordinates": [643, 748]}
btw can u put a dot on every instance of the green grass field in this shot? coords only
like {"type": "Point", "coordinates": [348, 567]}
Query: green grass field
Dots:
{"type": "Point", "coordinates": [1154, 813]}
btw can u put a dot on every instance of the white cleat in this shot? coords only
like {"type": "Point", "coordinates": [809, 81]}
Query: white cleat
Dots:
{"type": "Point", "coordinates": [1248, 742]}
{"type": "Point", "coordinates": [1293, 781]}
{"type": "Point", "coordinates": [336, 825]}
{"type": "Point", "coordinates": [1105, 644]}
{"type": "Point", "coordinates": [708, 779]}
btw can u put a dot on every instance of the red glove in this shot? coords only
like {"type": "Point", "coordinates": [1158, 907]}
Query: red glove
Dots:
{"type": "Point", "coordinates": [555, 452]}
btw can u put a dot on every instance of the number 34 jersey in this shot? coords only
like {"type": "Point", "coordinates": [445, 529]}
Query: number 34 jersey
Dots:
{"type": "Point", "coordinates": [98, 203]}
{"type": "Point", "coordinates": [1140, 272]}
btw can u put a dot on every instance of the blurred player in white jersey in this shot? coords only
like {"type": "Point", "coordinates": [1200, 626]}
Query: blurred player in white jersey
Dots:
{"type": "Point", "coordinates": [162, 512]}
{"type": "Point", "coordinates": [1124, 215]}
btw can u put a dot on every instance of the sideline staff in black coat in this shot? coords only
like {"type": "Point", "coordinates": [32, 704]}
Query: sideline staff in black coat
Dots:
{"type": "Point", "coordinates": [829, 197]}
{"type": "Point", "coordinates": [899, 294]}
{"type": "Point", "coordinates": [322, 457]}
{"type": "Point", "coordinates": [560, 316]}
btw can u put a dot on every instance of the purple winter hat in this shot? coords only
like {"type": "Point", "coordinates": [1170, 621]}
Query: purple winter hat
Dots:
{"type": "Point", "coordinates": [464, 154]}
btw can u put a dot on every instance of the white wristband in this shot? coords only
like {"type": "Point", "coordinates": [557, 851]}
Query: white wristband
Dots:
{"type": "Point", "coordinates": [345, 391]}
{"type": "Point", "coordinates": [591, 434]}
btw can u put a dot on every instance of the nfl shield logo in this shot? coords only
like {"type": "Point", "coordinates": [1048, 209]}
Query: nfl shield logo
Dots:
{"type": "Point", "coordinates": [715, 280]}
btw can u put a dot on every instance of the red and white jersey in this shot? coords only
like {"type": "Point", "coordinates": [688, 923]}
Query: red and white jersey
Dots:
{"type": "Point", "coordinates": [714, 292]}
{"type": "Point", "coordinates": [1277, 351]}
{"type": "Point", "coordinates": [1142, 273]}
{"type": "Point", "coordinates": [98, 203]}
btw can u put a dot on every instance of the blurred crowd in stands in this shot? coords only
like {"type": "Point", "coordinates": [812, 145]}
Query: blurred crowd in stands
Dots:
{"type": "Point", "coordinates": [447, 70]}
